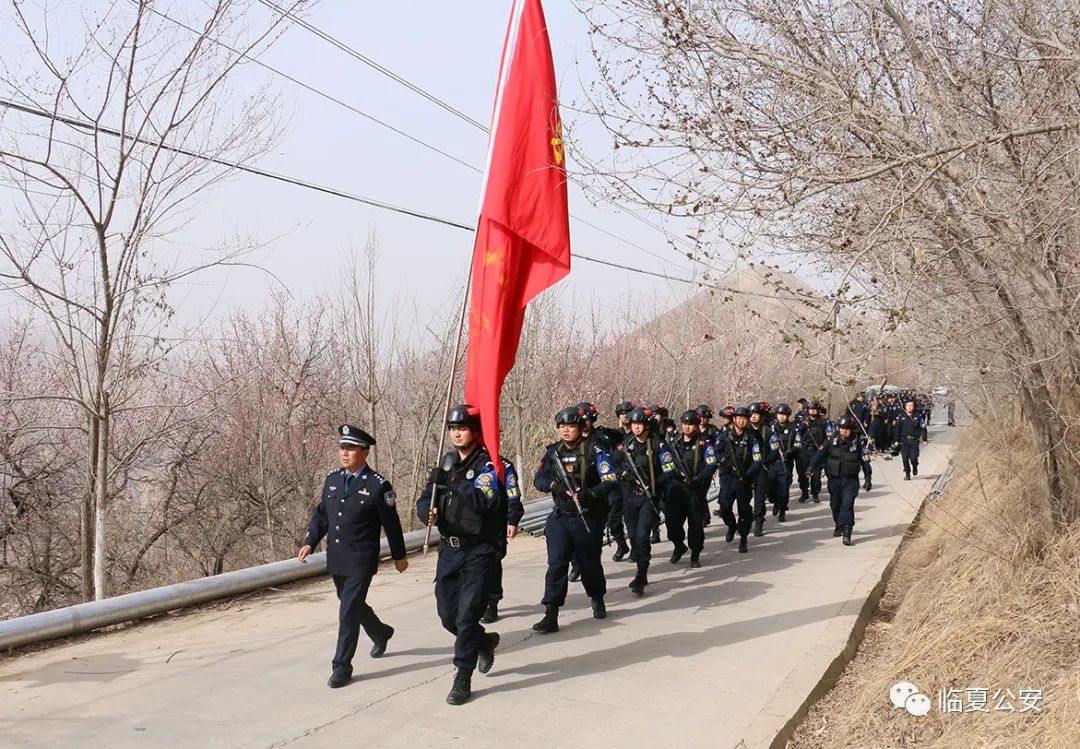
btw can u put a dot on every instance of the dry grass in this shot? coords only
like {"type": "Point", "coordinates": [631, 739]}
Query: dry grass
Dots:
{"type": "Point", "coordinates": [983, 596]}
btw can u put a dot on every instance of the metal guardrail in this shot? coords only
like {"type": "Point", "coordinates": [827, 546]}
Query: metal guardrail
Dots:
{"type": "Point", "coordinates": [84, 617]}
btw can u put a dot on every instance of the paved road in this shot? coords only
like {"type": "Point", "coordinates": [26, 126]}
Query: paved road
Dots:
{"type": "Point", "coordinates": [722, 654]}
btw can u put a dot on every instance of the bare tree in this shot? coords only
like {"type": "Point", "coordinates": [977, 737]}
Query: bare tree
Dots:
{"type": "Point", "coordinates": [112, 140]}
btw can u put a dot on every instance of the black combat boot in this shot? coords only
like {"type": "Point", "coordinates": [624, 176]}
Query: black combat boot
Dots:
{"type": "Point", "coordinates": [837, 532]}
{"type": "Point", "coordinates": [550, 622]}
{"type": "Point", "coordinates": [462, 689]}
{"type": "Point", "coordinates": [730, 534]}
{"type": "Point", "coordinates": [485, 659]}
{"type": "Point", "coordinates": [599, 610]}
{"type": "Point", "coordinates": [847, 536]}
{"type": "Point", "coordinates": [803, 497]}
{"type": "Point", "coordinates": [621, 551]}
{"type": "Point", "coordinates": [655, 537]}
{"type": "Point", "coordinates": [743, 548]}
{"type": "Point", "coordinates": [677, 554]}
{"type": "Point", "coordinates": [695, 559]}
{"type": "Point", "coordinates": [575, 572]}
{"type": "Point", "coordinates": [907, 476]}
{"type": "Point", "coordinates": [782, 517]}
{"type": "Point", "coordinates": [491, 613]}
{"type": "Point", "coordinates": [915, 469]}
{"type": "Point", "coordinates": [816, 499]}
{"type": "Point", "coordinates": [759, 527]}
{"type": "Point", "coordinates": [637, 585]}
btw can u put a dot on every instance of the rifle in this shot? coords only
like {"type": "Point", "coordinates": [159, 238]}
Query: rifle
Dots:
{"type": "Point", "coordinates": [642, 484]}
{"type": "Point", "coordinates": [573, 492]}
{"type": "Point", "coordinates": [447, 464]}
{"type": "Point", "coordinates": [681, 465]}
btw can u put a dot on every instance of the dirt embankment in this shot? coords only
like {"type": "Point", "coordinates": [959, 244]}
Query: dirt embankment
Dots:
{"type": "Point", "coordinates": [984, 601]}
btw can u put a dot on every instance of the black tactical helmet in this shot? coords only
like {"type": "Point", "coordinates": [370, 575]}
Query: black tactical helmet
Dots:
{"type": "Point", "coordinates": [845, 422]}
{"type": "Point", "coordinates": [464, 416]}
{"type": "Point", "coordinates": [704, 411]}
{"type": "Point", "coordinates": [589, 410]}
{"type": "Point", "coordinates": [816, 405]}
{"type": "Point", "coordinates": [624, 408]}
{"type": "Point", "coordinates": [661, 410]}
{"type": "Point", "coordinates": [741, 411]}
{"type": "Point", "coordinates": [783, 408]}
{"type": "Point", "coordinates": [728, 412]}
{"type": "Point", "coordinates": [641, 415]}
{"type": "Point", "coordinates": [754, 408]}
{"type": "Point", "coordinates": [570, 415]}
{"type": "Point", "coordinates": [691, 417]}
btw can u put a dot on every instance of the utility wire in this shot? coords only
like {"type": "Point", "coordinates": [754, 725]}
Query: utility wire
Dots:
{"type": "Point", "coordinates": [296, 181]}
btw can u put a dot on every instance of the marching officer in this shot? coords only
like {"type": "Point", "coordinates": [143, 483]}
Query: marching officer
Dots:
{"type": "Point", "coordinates": [739, 463]}
{"type": "Point", "coordinates": [770, 454]}
{"type": "Point", "coordinates": [356, 503]}
{"type": "Point", "coordinates": [645, 468]}
{"type": "Point", "coordinates": [843, 456]}
{"type": "Point", "coordinates": [695, 463]}
{"type": "Point", "coordinates": [782, 472]}
{"type": "Point", "coordinates": [514, 512]}
{"type": "Point", "coordinates": [615, 513]}
{"type": "Point", "coordinates": [580, 475]}
{"type": "Point", "coordinates": [712, 433]}
{"type": "Point", "coordinates": [907, 432]}
{"type": "Point", "coordinates": [465, 500]}
{"type": "Point", "coordinates": [813, 434]}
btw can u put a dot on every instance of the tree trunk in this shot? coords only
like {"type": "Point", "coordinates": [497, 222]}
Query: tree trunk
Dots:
{"type": "Point", "coordinates": [101, 498]}
{"type": "Point", "coordinates": [86, 515]}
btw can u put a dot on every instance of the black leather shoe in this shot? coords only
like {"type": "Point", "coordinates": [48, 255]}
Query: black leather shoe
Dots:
{"type": "Point", "coordinates": [907, 477]}
{"type": "Point", "coordinates": [730, 535]}
{"type": "Point", "coordinates": [678, 553]}
{"type": "Point", "coordinates": [803, 497]}
{"type": "Point", "coordinates": [599, 610]}
{"type": "Point", "coordinates": [462, 688]}
{"type": "Point", "coordinates": [491, 613]}
{"type": "Point", "coordinates": [867, 485]}
{"type": "Point", "coordinates": [550, 622]}
{"type": "Point", "coordinates": [743, 548]}
{"type": "Point", "coordinates": [914, 470]}
{"type": "Point", "coordinates": [379, 647]}
{"type": "Point", "coordinates": [485, 659]}
{"type": "Point", "coordinates": [759, 527]}
{"type": "Point", "coordinates": [338, 679]}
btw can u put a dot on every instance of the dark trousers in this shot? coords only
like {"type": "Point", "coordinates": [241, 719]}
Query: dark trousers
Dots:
{"type": "Point", "coordinates": [736, 493]}
{"type": "Point", "coordinates": [615, 517]}
{"type": "Point", "coordinates": [354, 613]}
{"type": "Point", "coordinates": [842, 493]}
{"type": "Point", "coordinates": [909, 453]}
{"type": "Point", "coordinates": [685, 507]}
{"type": "Point", "coordinates": [495, 586]}
{"type": "Point", "coordinates": [462, 576]}
{"type": "Point", "coordinates": [779, 481]}
{"type": "Point", "coordinates": [802, 464]}
{"type": "Point", "coordinates": [567, 537]}
{"type": "Point", "coordinates": [761, 491]}
{"type": "Point", "coordinates": [640, 515]}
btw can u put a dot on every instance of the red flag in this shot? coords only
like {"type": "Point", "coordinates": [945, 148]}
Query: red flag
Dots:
{"type": "Point", "coordinates": [523, 234]}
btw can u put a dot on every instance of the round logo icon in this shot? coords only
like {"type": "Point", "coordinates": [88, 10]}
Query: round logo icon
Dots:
{"type": "Point", "coordinates": [905, 695]}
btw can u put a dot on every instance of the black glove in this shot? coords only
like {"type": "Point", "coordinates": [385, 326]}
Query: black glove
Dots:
{"type": "Point", "coordinates": [439, 476]}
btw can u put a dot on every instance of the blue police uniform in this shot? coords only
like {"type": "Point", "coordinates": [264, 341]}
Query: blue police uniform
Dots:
{"type": "Point", "coordinates": [739, 465]}
{"type": "Point", "coordinates": [591, 475]}
{"type": "Point", "coordinates": [907, 432]}
{"type": "Point", "coordinates": [642, 489]}
{"type": "Point", "coordinates": [514, 512]}
{"type": "Point", "coordinates": [472, 513]}
{"type": "Point", "coordinates": [695, 464]}
{"type": "Point", "coordinates": [770, 456]}
{"type": "Point", "coordinates": [842, 460]}
{"type": "Point", "coordinates": [784, 468]}
{"type": "Point", "coordinates": [813, 434]}
{"type": "Point", "coordinates": [352, 510]}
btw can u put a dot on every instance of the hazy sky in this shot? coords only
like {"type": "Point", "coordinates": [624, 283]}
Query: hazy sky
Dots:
{"type": "Point", "coordinates": [451, 50]}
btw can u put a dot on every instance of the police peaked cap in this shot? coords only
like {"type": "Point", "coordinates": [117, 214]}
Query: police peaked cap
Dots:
{"type": "Point", "coordinates": [350, 436]}
{"type": "Point", "coordinates": [691, 417]}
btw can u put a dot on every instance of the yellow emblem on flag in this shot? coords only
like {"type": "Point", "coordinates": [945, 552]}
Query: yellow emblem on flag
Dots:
{"type": "Point", "coordinates": [557, 141]}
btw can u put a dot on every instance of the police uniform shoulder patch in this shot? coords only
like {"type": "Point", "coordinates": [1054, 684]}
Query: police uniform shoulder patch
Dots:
{"type": "Point", "coordinates": [390, 498]}
{"type": "Point", "coordinates": [604, 466]}
{"type": "Point", "coordinates": [484, 479]}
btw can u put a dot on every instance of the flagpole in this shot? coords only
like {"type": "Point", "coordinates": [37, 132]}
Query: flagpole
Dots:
{"type": "Point", "coordinates": [449, 395]}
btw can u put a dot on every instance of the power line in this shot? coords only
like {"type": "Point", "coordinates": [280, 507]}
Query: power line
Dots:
{"type": "Point", "coordinates": [297, 182]}
{"type": "Point", "coordinates": [356, 54]}
{"type": "Point", "coordinates": [285, 13]}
